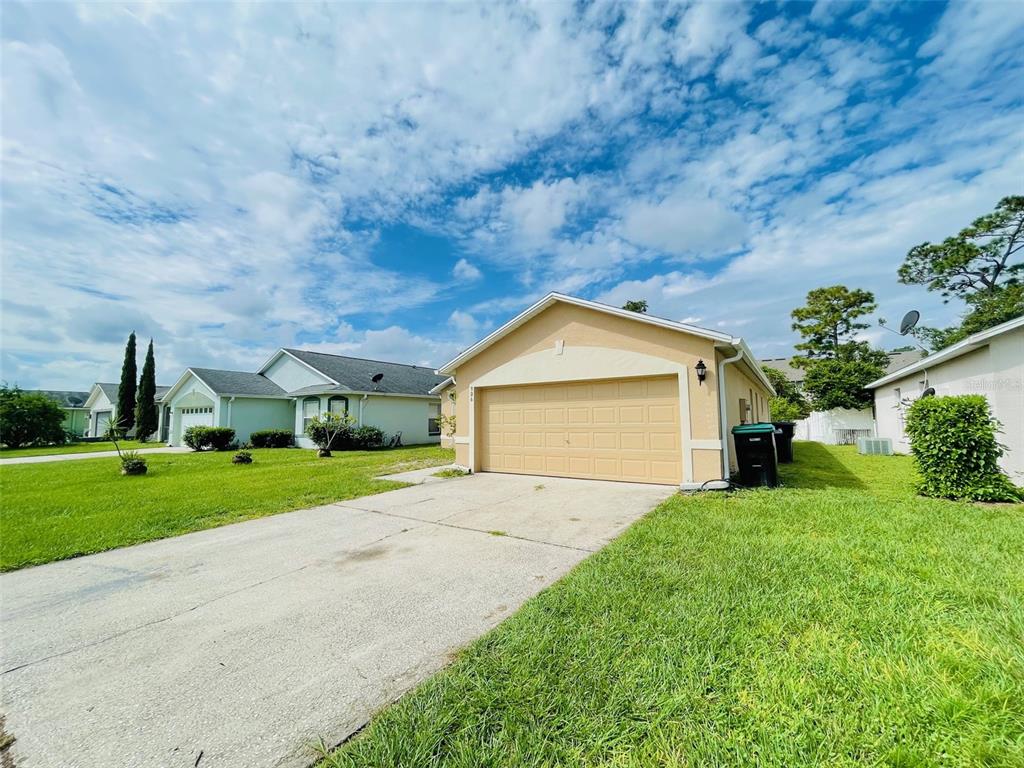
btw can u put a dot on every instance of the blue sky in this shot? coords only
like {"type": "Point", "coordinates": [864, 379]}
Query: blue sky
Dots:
{"type": "Point", "coordinates": [394, 180]}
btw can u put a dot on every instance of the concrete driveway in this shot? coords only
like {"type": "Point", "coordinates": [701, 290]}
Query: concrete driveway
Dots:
{"type": "Point", "coordinates": [248, 643]}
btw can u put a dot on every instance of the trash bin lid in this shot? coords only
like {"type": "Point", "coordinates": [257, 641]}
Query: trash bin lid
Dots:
{"type": "Point", "coordinates": [753, 429]}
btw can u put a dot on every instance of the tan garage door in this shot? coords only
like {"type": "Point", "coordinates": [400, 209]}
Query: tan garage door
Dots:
{"type": "Point", "coordinates": [626, 429]}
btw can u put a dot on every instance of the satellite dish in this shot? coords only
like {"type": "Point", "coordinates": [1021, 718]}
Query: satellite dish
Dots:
{"type": "Point", "coordinates": [909, 321]}
{"type": "Point", "coordinates": [377, 377]}
{"type": "Point", "coordinates": [930, 392]}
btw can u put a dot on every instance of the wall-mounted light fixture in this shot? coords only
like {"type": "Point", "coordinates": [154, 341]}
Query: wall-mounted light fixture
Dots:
{"type": "Point", "coordinates": [702, 372]}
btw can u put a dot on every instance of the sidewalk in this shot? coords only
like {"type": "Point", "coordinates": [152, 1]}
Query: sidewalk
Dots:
{"type": "Point", "coordinates": [77, 456]}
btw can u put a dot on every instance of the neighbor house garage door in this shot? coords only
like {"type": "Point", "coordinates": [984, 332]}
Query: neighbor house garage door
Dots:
{"type": "Point", "coordinates": [625, 429]}
{"type": "Point", "coordinates": [196, 417]}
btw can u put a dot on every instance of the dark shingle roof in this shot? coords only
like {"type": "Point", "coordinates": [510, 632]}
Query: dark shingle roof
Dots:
{"type": "Point", "coordinates": [110, 390]}
{"type": "Point", "coordinates": [897, 360]}
{"type": "Point", "coordinates": [238, 382]}
{"type": "Point", "coordinates": [354, 374]}
{"type": "Point", "coordinates": [64, 398]}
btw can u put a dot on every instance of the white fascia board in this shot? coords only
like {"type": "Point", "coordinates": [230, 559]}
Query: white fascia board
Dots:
{"type": "Point", "coordinates": [752, 363]}
{"type": "Point", "coordinates": [181, 380]}
{"type": "Point", "coordinates": [94, 392]}
{"type": "Point", "coordinates": [437, 390]}
{"type": "Point", "coordinates": [949, 353]}
{"type": "Point", "coordinates": [553, 298]}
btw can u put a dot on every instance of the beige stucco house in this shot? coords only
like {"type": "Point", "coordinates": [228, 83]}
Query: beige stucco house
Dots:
{"type": "Point", "coordinates": [574, 388]}
{"type": "Point", "coordinates": [990, 363]}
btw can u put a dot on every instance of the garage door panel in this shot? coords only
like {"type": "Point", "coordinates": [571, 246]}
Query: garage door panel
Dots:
{"type": "Point", "coordinates": [664, 441]}
{"type": "Point", "coordinates": [661, 414]}
{"type": "Point", "coordinates": [613, 430]}
{"type": "Point", "coordinates": [533, 416]}
{"type": "Point", "coordinates": [631, 414]}
{"type": "Point", "coordinates": [554, 416]}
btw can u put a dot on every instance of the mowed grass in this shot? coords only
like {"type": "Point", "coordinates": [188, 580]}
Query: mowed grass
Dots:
{"type": "Point", "coordinates": [840, 621]}
{"type": "Point", "coordinates": [54, 450]}
{"type": "Point", "coordinates": [57, 510]}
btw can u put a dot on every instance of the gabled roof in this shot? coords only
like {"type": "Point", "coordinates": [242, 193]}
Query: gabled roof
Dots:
{"type": "Point", "coordinates": [63, 397]}
{"type": "Point", "coordinates": [554, 298]}
{"type": "Point", "coordinates": [354, 374]}
{"type": "Point", "coordinates": [897, 360]}
{"type": "Point", "coordinates": [110, 390]}
{"type": "Point", "coordinates": [971, 343]}
{"type": "Point", "coordinates": [238, 383]}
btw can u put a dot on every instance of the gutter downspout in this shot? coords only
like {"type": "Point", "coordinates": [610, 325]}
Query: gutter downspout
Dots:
{"type": "Point", "coordinates": [723, 418]}
{"type": "Point", "coordinates": [361, 401]}
{"type": "Point", "coordinates": [230, 401]}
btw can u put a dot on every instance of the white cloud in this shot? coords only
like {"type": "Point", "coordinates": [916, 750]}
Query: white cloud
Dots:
{"type": "Point", "coordinates": [463, 323]}
{"type": "Point", "coordinates": [464, 270]}
{"type": "Point", "coordinates": [684, 226]}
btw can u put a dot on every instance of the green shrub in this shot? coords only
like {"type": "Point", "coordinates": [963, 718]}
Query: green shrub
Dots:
{"type": "Point", "coordinates": [29, 418]}
{"type": "Point", "coordinates": [132, 463]}
{"type": "Point", "coordinates": [366, 438]}
{"type": "Point", "coordinates": [953, 440]}
{"type": "Point", "coordinates": [272, 438]}
{"type": "Point", "coordinates": [242, 457]}
{"type": "Point", "coordinates": [200, 438]}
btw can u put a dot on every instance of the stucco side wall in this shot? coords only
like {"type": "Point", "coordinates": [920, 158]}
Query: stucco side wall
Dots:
{"type": "Point", "coordinates": [604, 338]}
{"type": "Point", "coordinates": [251, 414]}
{"type": "Point", "coordinates": [995, 371]}
{"type": "Point", "coordinates": [739, 384]}
{"type": "Point", "coordinates": [408, 415]}
{"type": "Point", "coordinates": [391, 414]}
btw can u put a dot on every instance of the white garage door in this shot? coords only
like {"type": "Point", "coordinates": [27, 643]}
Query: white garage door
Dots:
{"type": "Point", "coordinates": [196, 417]}
{"type": "Point", "coordinates": [624, 429]}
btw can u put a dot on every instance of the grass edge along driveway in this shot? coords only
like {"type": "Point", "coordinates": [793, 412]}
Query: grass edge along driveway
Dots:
{"type": "Point", "coordinates": [840, 621]}
{"type": "Point", "coordinates": [58, 510]}
{"type": "Point", "coordinates": [69, 448]}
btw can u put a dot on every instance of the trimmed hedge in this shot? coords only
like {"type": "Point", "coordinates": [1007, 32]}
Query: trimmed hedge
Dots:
{"type": "Point", "coordinates": [201, 438]}
{"type": "Point", "coordinates": [953, 440]}
{"type": "Point", "coordinates": [272, 438]}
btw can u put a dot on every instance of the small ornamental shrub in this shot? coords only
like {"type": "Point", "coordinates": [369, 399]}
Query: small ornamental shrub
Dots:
{"type": "Point", "coordinates": [330, 432]}
{"type": "Point", "coordinates": [195, 438]}
{"type": "Point", "coordinates": [221, 438]}
{"type": "Point", "coordinates": [200, 438]}
{"type": "Point", "coordinates": [272, 438]}
{"type": "Point", "coordinates": [953, 440]}
{"type": "Point", "coordinates": [242, 457]}
{"type": "Point", "coordinates": [367, 438]}
{"type": "Point", "coordinates": [132, 463]}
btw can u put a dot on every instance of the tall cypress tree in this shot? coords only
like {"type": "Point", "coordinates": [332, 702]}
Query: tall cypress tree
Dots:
{"type": "Point", "coordinates": [146, 417]}
{"type": "Point", "coordinates": [126, 389]}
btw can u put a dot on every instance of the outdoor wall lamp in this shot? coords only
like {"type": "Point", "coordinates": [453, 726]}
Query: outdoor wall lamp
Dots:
{"type": "Point", "coordinates": [702, 372]}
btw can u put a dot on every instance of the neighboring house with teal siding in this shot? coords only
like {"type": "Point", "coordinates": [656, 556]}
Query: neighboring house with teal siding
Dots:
{"type": "Point", "coordinates": [76, 415]}
{"type": "Point", "coordinates": [102, 407]}
{"type": "Point", "coordinates": [294, 386]}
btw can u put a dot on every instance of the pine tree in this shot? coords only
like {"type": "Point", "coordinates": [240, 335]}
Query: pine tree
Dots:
{"type": "Point", "coordinates": [146, 416]}
{"type": "Point", "coordinates": [126, 389]}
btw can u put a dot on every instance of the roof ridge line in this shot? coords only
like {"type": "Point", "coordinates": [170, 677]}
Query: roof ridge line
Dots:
{"type": "Point", "coordinates": [364, 359]}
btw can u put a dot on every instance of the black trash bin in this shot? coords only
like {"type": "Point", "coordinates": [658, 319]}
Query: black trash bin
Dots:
{"type": "Point", "coordinates": [784, 440]}
{"type": "Point", "coordinates": [755, 455]}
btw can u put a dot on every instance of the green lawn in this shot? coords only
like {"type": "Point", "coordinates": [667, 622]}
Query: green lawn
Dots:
{"type": "Point", "coordinates": [53, 450]}
{"type": "Point", "coordinates": [840, 621]}
{"type": "Point", "coordinates": [61, 509]}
